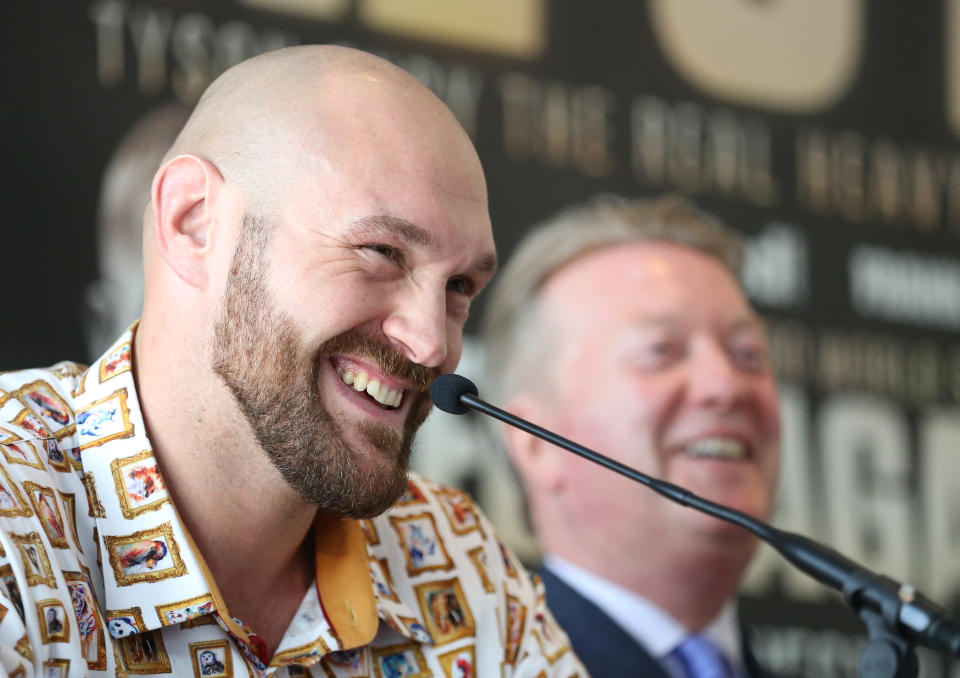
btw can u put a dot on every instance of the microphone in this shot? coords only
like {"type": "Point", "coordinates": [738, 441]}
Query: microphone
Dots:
{"type": "Point", "coordinates": [878, 599]}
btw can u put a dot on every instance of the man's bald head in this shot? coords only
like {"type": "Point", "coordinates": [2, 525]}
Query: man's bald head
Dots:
{"type": "Point", "coordinates": [267, 115]}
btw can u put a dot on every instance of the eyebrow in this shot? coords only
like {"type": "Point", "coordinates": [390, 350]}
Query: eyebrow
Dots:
{"type": "Point", "coordinates": [411, 233]}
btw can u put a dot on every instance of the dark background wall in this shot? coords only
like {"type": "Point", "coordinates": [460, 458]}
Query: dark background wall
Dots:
{"type": "Point", "coordinates": [826, 131]}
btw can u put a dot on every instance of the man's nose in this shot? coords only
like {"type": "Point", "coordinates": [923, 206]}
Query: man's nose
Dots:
{"type": "Point", "coordinates": [715, 380]}
{"type": "Point", "coordinates": [418, 326]}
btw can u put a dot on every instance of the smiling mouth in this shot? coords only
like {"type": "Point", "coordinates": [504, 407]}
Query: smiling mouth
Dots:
{"type": "Point", "coordinates": [717, 448]}
{"type": "Point", "coordinates": [360, 381]}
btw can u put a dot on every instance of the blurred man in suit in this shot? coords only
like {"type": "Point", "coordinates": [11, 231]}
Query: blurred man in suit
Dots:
{"type": "Point", "coordinates": [622, 326]}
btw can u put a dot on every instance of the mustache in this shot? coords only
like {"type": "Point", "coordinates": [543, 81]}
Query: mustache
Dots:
{"type": "Point", "coordinates": [384, 355]}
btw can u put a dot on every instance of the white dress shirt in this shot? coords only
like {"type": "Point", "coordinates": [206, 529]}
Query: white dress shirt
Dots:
{"type": "Point", "coordinates": [651, 627]}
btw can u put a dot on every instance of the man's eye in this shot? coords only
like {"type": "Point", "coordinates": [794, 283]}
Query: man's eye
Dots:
{"type": "Point", "coordinates": [386, 251]}
{"type": "Point", "coordinates": [462, 286]}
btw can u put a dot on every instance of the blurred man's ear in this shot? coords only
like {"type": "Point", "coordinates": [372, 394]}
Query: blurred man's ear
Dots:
{"type": "Point", "coordinates": [184, 190]}
{"type": "Point", "coordinates": [541, 465]}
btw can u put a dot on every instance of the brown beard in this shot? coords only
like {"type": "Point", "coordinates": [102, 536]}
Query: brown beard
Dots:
{"type": "Point", "coordinates": [258, 353]}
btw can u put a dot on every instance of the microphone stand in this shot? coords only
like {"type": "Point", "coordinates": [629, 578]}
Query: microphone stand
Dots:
{"type": "Point", "coordinates": [897, 617]}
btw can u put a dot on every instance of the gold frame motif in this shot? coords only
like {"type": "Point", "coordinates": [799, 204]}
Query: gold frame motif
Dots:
{"type": "Point", "coordinates": [15, 494]}
{"type": "Point", "coordinates": [478, 556]}
{"type": "Point", "coordinates": [69, 500]}
{"type": "Point", "coordinates": [162, 610]}
{"type": "Point", "coordinates": [14, 439]}
{"type": "Point", "coordinates": [381, 564]}
{"type": "Point", "coordinates": [66, 466]}
{"type": "Point", "coordinates": [33, 578]}
{"type": "Point", "coordinates": [421, 497]}
{"type": "Point", "coordinates": [446, 497]}
{"type": "Point", "coordinates": [295, 655]}
{"type": "Point", "coordinates": [364, 668]}
{"type": "Point", "coordinates": [127, 430]}
{"type": "Point", "coordinates": [165, 530]}
{"type": "Point", "coordinates": [21, 395]}
{"type": "Point", "coordinates": [210, 644]}
{"type": "Point", "coordinates": [134, 612]}
{"type": "Point", "coordinates": [379, 652]}
{"type": "Point", "coordinates": [162, 665]}
{"type": "Point", "coordinates": [120, 485]}
{"type": "Point", "coordinates": [398, 522]}
{"type": "Point", "coordinates": [83, 577]}
{"type": "Point", "coordinates": [407, 623]}
{"type": "Point", "coordinates": [370, 531]}
{"type": "Point", "coordinates": [94, 507]}
{"type": "Point", "coordinates": [424, 590]}
{"type": "Point", "coordinates": [102, 372]}
{"type": "Point", "coordinates": [512, 649]}
{"type": "Point", "coordinates": [63, 635]}
{"type": "Point", "coordinates": [31, 487]}
{"type": "Point", "coordinates": [81, 387]}
{"type": "Point", "coordinates": [446, 660]}
{"type": "Point", "coordinates": [64, 665]}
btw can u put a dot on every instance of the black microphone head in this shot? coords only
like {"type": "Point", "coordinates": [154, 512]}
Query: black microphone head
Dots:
{"type": "Point", "coordinates": [445, 392]}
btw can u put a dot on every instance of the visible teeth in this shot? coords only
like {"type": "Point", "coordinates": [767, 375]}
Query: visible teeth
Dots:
{"type": "Point", "coordinates": [361, 381]}
{"type": "Point", "coordinates": [718, 448]}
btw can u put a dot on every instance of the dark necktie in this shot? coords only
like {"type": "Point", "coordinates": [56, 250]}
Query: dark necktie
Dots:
{"type": "Point", "coordinates": [697, 657]}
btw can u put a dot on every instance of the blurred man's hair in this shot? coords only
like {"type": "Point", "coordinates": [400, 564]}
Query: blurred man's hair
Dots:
{"type": "Point", "coordinates": [514, 339]}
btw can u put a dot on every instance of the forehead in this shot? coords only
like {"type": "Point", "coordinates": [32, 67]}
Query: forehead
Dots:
{"type": "Point", "coordinates": [647, 279]}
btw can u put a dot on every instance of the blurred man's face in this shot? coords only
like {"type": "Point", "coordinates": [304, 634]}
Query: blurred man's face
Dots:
{"type": "Point", "coordinates": [340, 309]}
{"type": "Point", "coordinates": [659, 362]}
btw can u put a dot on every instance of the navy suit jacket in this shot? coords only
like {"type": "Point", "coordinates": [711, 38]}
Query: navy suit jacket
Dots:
{"type": "Point", "coordinates": [602, 645]}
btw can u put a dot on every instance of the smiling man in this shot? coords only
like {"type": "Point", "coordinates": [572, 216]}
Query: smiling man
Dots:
{"type": "Point", "coordinates": [621, 325]}
{"type": "Point", "coordinates": [223, 477]}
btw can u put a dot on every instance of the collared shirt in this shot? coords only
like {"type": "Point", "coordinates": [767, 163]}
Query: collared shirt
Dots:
{"type": "Point", "coordinates": [99, 576]}
{"type": "Point", "coordinates": [650, 626]}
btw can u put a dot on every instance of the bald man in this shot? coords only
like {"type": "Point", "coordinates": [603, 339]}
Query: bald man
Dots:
{"type": "Point", "coordinates": [222, 478]}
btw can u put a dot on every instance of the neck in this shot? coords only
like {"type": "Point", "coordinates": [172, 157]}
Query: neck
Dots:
{"type": "Point", "coordinates": [247, 523]}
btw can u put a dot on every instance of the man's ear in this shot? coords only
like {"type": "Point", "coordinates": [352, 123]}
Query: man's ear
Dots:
{"type": "Point", "coordinates": [183, 193]}
{"type": "Point", "coordinates": [541, 465]}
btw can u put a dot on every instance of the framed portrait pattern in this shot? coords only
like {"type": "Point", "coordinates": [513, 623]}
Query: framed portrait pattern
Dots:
{"type": "Point", "coordinates": [400, 660]}
{"type": "Point", "coordinates": [69, 502]}
{"type": "Point", "coordinates": [516, 618]}
{"type": "Point", "coordinates": [104, 420]}
{"type": "Point", "coordinates": [57, 458]}
{"type": "Point", "coordinates": [478, 556]}
{"type": "Point", "coordinates": [52, 410]}
{"type": "Point", "coordinates": [139, 484]}
{"type": "Point", "coordinates": [412, 495]}
{"type": "Point", "coordinates": [34, 557]}
{"type": "Point", "coordinates": [45, 506]}
{"type": "Point", "coordinates": [353, 663]}
{"type": "Point", "coordinates": [145, 555]}
{"type": "Point", "coordinates": [382, 581]}
{"type": "Point", "coordinates": [56, 668]}
{"type": "Point", "coordinates": [212, 659]}
{"type": "Point", "coordinates": [185, 610]}
{"type": "Point", "coordinates": [118, 361]}
{"type": "Point", "coordinates": [295, 655]}
{"type": "Point", "coordinates": [123, 623]}
{"type": "Point", "coordinates": [459, 663]}
{"type": "Point", "coordinates": [92, 641]}
{"type": "Point", "coordinates": [548, 634]}
{"type": "Point", "coordinates": [94, 507]}
{"type": "Point", "coordinates": [445, 610]}
{"type": "Point", "coordinates": [422, 546]}
{"type": "Point", "coordinates": [144, 653]}
{"type": "Point", "coordinates": [16, 450]}
{"type": "Point", "coordinates": [54, 622]}
{"type": "Point", "coordinates": [12, 503]}
{"type": "Point", "coordinates": [416, 629]}
{"type": "Point", "coordinates": [9, 581]}
{"type": "Point", "coordinates": [459, 510]}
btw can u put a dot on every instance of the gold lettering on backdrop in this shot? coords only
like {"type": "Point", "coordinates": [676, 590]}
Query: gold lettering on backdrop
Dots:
{"type": "Point", "coordinates": [716, 152]}
{"type": "Point", "coordinates": [796, 57]}
{"type": "Point", "coordinates": [562, 126]}
{"type": "Point", "coordinates": [515, 28]}
{"type": "Point", "coordinates": [324, 10]}
{"type": "Point", "coordinates": [877, 180]}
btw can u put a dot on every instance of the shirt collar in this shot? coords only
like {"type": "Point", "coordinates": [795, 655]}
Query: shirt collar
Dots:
{"type": "Point", "coordinates": [647, 624]}
{"type": "Point", "coordinates": [110, 429]}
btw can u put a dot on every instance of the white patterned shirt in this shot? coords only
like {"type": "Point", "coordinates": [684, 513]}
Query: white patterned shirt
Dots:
{"type": "Point", "coordinates": [98, 575]}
